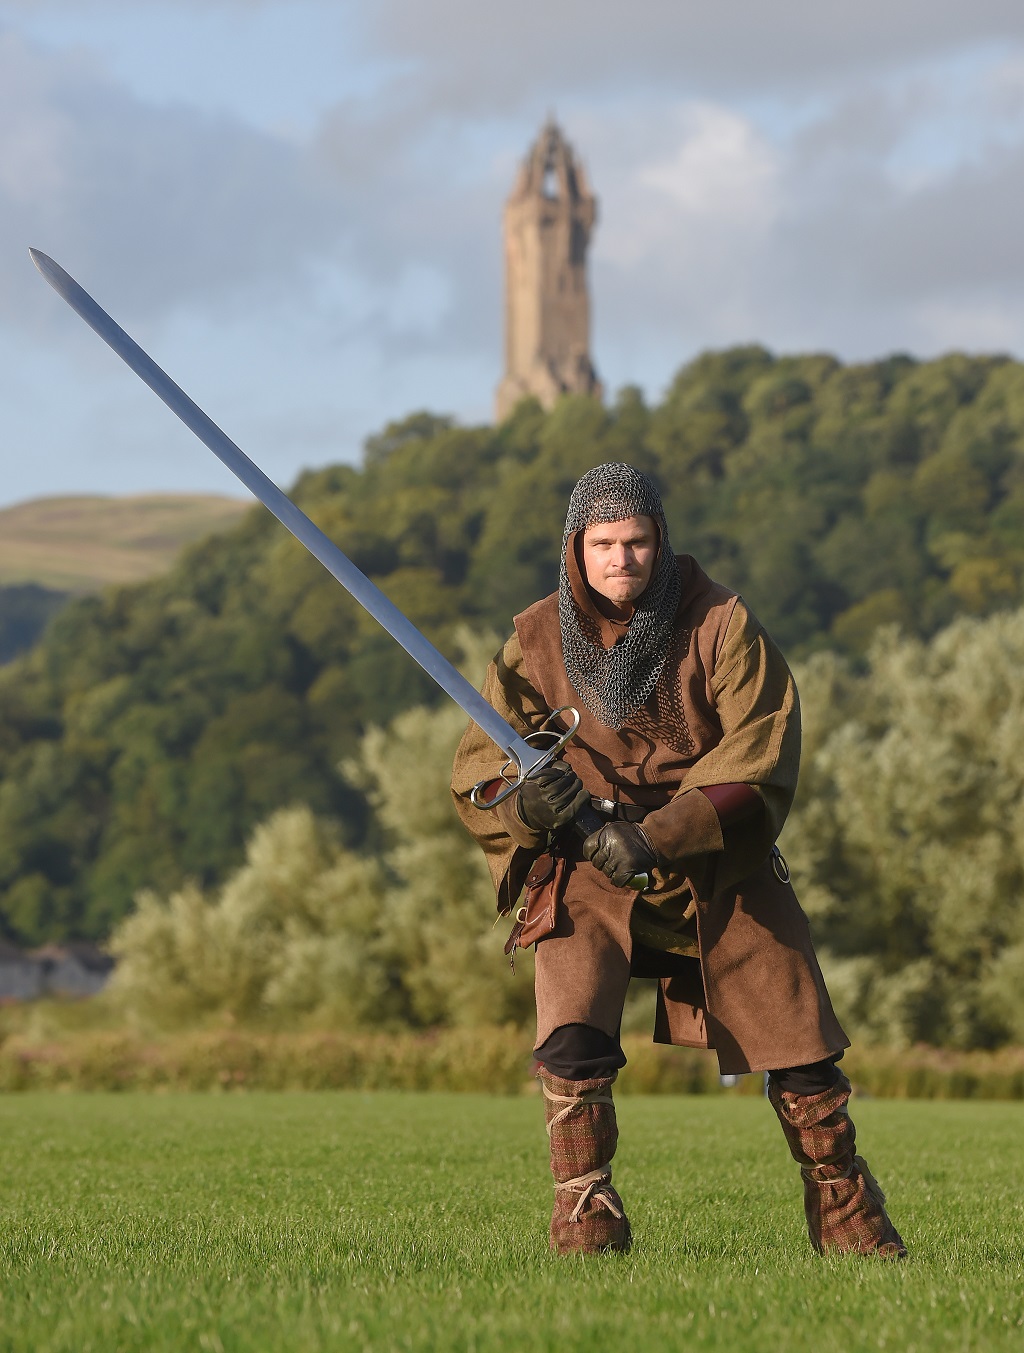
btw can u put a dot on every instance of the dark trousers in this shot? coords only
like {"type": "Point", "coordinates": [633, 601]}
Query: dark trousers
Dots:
{"type": "Point", "coordinates": [577, 1052]}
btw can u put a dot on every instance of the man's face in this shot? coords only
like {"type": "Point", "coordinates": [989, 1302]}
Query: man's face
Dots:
{"type": "Point", "coordinates": [618, 557]}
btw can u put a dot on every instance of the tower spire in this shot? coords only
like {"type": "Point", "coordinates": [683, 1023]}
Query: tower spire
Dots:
{"type": "Point", "coordinates": [549, 217]}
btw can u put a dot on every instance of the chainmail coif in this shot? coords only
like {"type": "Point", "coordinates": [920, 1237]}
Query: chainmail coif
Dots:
{"type": "Point", "coordinates": [615, 682]}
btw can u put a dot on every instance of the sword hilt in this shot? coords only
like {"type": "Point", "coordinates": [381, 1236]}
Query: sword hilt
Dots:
{"type": "Point", "coordinates": [513, 779]}
{"type": "Point", "coordinates": [587, 820]}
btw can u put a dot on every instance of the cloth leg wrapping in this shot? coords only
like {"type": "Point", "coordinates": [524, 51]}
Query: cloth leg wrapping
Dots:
{"type": "Point", "coordinates": [588, 1214]}
{"type": "Point", "coordinates": [843, 1204]}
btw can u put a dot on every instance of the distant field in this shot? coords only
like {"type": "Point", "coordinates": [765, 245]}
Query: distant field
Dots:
{"type": "Point", "coordinates": [358, 1221]}
{"type": "Point", "coordinates": [81, 544]}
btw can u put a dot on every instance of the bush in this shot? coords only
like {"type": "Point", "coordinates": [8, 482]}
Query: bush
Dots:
{"type": "Point", "coordinates": [907, 838]}
{"type": "Point", "coordinates": [309, 931]}
{"type": "Point", "coordinates": [487, 1060]}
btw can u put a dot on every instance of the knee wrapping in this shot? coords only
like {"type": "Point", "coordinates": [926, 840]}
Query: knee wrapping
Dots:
{"type": "Point", "coordinates": [578, 1052]}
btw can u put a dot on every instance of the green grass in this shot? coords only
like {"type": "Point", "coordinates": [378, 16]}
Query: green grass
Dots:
{"type": "Point", "coordinates": [389, 1221]}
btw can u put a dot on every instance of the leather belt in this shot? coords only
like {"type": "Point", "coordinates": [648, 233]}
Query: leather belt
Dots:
{"type": "Point", "coordinates": [610, 808]}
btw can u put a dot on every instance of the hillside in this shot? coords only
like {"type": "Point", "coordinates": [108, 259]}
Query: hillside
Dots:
{"type": "Point", "coordinates": [155, 726]}
{"type": "Point", "coordinates": [80, 544]}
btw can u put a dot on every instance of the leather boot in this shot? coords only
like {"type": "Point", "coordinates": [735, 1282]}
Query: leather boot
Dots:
{"type": "Point", "coordinates": [588, 1214]}
{"type": "Point", "coordinates": [844, 1206]}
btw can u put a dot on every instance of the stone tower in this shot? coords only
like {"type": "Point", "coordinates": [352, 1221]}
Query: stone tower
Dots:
{"type": "Point", "coordinates": [548, 220]}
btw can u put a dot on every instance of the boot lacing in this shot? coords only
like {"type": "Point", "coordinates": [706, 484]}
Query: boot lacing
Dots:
{"type": "Point", "coordinates": [588, 1186]}
{"type": "Point", "coordinates": [808, 1172]}
{"type": "Point", "coordinates": [858, 1163]}
{"type": "Point", "coordinates": [591, 1186]}
{"type": "Point", "coordinates": [571, 1101]}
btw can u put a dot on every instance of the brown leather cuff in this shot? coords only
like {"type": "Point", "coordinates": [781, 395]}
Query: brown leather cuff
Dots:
{"type": "Point", "coordinates": [689, 825]}
{"type": "Point", "coordinates": [507, 814]}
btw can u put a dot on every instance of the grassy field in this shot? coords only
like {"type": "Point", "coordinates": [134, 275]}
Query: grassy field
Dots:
{"type": "Point", "coordinates": [79, 544]}
{"type": "Point", "coordinates": [389, 1221]}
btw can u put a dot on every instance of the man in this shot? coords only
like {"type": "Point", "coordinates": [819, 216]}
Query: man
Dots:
{"type": "Point", "coordinates": [688, 745]}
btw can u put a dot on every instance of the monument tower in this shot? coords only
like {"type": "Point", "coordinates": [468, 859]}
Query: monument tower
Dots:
{"type": "Point", "coordinates": [548, 220]}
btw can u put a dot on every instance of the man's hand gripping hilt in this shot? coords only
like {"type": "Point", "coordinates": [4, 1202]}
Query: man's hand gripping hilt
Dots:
{"type": "Point", "coordinates": [587, 820]}
{"type": "Point", "coordinates": [548, 739]}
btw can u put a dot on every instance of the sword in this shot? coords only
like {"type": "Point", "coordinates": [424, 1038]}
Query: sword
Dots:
{"type": "Point", "coordinates": [525, 755]}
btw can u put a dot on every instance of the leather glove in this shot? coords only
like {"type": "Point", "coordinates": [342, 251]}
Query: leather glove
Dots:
{"type": "Point", "coordinates": [551, 798]}
{"type": "Point", "coordinates": [620, 850]}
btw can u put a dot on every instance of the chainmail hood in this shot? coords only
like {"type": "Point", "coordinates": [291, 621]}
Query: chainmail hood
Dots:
{"type": "Point", "coordinates": [614, 682]}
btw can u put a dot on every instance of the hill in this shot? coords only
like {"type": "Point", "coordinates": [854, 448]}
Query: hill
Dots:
{"type": "Point", "coordinates": [157, 724]}
{"type": "Point", "coordinates": [80, 544]}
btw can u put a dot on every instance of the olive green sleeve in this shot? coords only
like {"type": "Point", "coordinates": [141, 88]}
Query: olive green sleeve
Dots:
{"type": "Point", "coordinates": [756, 702]}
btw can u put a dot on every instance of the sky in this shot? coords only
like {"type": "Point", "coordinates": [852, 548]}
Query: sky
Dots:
{"type": "Point", "coordinates": [295, 205]}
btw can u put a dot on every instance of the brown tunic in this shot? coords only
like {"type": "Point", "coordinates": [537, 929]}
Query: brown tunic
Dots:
{"type": "Point", "coordinates": [725, 711]}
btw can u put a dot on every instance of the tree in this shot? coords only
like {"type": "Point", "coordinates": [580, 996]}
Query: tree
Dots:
{"type": "Point", "coordinates": [907, 839]}
{"type": "Point", "coordinates": [310, 931]}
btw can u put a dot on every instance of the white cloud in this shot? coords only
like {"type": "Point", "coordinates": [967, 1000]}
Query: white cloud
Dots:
{"type": "Point", "coordinates": [721, 170]}
{"type": "Point", "coordinates": [471, 55]}
{"type": "Point", "coordinates": [159, 206]}
{"type": "Point", "coordinates": [706, 210]}
{"type": "Point", "coordinates": [986, 326]}
{"type": "Point", "coordinates": [684, 218]}
{"type": "Point", "coordinates": [793, 175]}
{"type": "Point", "coordinates": [33, 133]}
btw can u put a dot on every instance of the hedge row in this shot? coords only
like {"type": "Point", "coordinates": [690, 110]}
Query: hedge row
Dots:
{"type": "Point", "coordinates": [494, 1060]}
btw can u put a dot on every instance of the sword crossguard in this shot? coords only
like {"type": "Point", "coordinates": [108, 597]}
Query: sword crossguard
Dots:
{"type": "Point", "coordinates": [513, 778]}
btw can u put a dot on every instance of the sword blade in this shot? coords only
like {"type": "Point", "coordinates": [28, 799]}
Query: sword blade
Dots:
{"type": "Point", "coordinates": [366, 593]}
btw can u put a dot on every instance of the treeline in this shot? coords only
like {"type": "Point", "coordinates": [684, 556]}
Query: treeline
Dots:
{"type": "Point", "coordinates": [156, 726]}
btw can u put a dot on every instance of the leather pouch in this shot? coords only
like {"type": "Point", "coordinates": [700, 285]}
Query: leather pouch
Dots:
{"type": "Point", "coordinates": [536, 917]}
